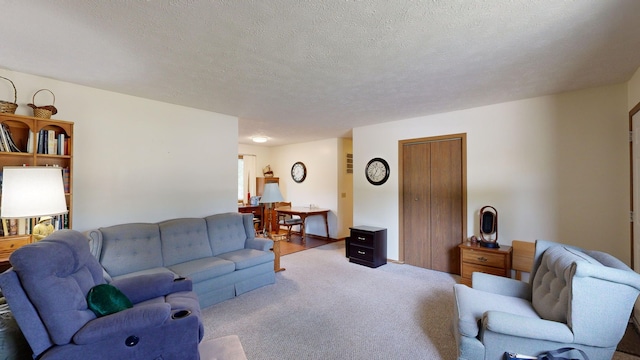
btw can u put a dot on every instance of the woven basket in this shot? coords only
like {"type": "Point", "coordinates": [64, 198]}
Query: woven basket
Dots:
{"type": "Point", "coordinates": [46, 111]}
{"type": "Point", "coordinates": [9, 107]}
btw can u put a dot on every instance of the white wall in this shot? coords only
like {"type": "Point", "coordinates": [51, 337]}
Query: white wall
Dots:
{"type": "Point", "coordinates": [345, 188]}
{"type": "Point", "coordinates": [140, 160]}
{"type": "Point", "coordinates": [559, 168]}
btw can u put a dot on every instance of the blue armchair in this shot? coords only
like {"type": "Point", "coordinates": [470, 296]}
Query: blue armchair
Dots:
{"type": "Point", "coordinates": [575, 298]}
{"type": "Point", "coordinates": [47, 288]}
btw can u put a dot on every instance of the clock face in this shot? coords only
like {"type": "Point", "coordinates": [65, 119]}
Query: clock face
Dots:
{"type": "Point", "coordinates": [298, 172]}
{"type": "Point", "coordinates": [377, 171]}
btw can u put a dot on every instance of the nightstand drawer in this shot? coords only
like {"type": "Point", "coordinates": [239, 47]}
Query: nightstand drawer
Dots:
{"type": "Point", "coordinates": [362, 238]}
{"type": "Point", "coordinates": [483, 258]}
{"type": "Point", "coordinates": [362, 253]}
{"type": "Point", "coordinates": [7, 246]}
{"type": "Point", "coordinates": [468, 269]}
{"type": "Point", "coordinates": [367, 246]}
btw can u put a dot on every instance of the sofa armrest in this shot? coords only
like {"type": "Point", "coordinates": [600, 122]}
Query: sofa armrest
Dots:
{"type": "Point", "coordinates": [501, 285]}
{"type": "Point", "coordinates": [259, 244]}
{"type": "Point", "coordinates": [526, 327]}
{"type": "Point", "coordinates": [136, 319]}
{"type": "Point", "coordinates": [145, 287]}
{"type": "Point", "coordinates": [182, 284]}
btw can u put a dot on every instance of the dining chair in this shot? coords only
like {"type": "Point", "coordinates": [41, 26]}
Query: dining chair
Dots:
{"type": "Point", "coordinates": [289, 221]}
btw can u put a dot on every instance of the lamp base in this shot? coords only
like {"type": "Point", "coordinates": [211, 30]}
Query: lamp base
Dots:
{"type": "Point", "coordinates": [489, 244]}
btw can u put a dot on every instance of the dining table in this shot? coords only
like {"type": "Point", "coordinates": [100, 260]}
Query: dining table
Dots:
{"type": "Point", "coordinates": [304, 212]}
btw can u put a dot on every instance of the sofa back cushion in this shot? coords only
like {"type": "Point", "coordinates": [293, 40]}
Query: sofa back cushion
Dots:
{"type": "Point", "coordinates": [56, 274]}
{"type": "Point", "coordinates": [226, 232]}
{"type": "Point", "coordinates": [131, 247]}
{"type": "Point", "coordinates": [183, 240]}
{"type": "Point", "coordinates": [551, 286]}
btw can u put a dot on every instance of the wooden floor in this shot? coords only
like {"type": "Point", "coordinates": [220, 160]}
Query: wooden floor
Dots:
{"type": "Point", "coordinates": [296, 244]}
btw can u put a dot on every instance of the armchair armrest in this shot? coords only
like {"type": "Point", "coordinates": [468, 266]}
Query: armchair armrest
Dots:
{"type": "Point", "coordinates": [501, 285]}
{"type": "Point", "coordinates": [145, 287]}
{"type": "Point", "coordinates": [527, 327]}
{"type": "Point", "coordinates": [131, 320]}
{"type": "Point", "coordinates": [259, 244]}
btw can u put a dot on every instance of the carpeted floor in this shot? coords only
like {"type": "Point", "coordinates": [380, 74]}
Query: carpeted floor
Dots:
{"type": "Point", "coordinates": [323, 307]}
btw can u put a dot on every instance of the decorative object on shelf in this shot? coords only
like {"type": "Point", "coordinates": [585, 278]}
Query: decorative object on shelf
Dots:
{"type": "Point", "coordinates": [266, 171]}
{"type": "Point", "coordinates": [46, 111]}
{"type": "Point", "coordinates": [32, 191]}
{"type": "Point", "coordinates": [298, 172]}
{"type": "Point", "coordinates": [9, 107]}
{"type": "Point", "coordinates": [43, 229]}
{"type": "Point", "coordinates": [489, 227]}
{"type": "Point", "coordinates": [377, 171]}
{"type": "Point", "coordinates": [270, 196]}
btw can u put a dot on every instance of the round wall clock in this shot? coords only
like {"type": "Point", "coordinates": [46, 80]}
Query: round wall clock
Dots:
{"type": "Point", "coordinates": [377, 171]}
{"type": "Point", "coordinates": [298, 172]}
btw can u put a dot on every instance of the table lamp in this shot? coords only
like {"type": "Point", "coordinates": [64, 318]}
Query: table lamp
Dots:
{"type": "Point", "coordinates": [32, 191]}
{"type": "Point", "coordinates": [270, 195]}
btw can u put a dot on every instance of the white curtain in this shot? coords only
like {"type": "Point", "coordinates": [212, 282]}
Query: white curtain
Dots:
{"type": "Point", "coordinates": [249, 176]}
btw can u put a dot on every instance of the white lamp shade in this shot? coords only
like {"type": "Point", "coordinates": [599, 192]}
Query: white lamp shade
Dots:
{"type": "Point", "coordinates": [32, 191]}
{"type": "Point", "coordinates": [271, 194]}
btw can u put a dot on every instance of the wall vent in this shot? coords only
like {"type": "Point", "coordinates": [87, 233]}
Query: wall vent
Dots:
{"type": "Point", "coordinates": [349, 163]}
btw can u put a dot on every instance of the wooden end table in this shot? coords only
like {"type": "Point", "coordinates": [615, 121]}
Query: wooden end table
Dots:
{"type": "Point", "coordinates": [276, 250]}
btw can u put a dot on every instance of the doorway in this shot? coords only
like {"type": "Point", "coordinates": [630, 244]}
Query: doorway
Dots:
{"type": "Point", "coordinates": [634, 128]}
{"type": "Point", "coordinates": [433, 201]}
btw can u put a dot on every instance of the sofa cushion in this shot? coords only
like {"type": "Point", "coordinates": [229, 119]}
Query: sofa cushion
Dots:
{"type": "Point", "coordinates": [183, 240]}
{"type": "Point", "coordinates": [246, 258]}
{"type": "Point", "coordinates": [204, 269]}
{"type": "Point", "coordinates": [551, 286]}
{"type": "Point", "coordinates": [226, 232]}
{"type": "Point", "coordinates": [157, 270]}
{"type": "Point", "coordinates": [472, 304]}
{"type": "Point", "coordinates": [130, 248]}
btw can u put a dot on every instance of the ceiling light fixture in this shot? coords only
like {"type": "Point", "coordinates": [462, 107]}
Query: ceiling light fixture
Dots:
{"type": "Point", "coordinates": [259, 139]}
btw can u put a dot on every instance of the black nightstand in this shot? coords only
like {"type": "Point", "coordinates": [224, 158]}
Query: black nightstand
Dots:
{"type": "Point", "coordinates": [367, 246]}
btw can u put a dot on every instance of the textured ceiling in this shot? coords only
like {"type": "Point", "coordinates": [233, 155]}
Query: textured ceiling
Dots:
{"type": "Point", "coordinates": [297, 70]}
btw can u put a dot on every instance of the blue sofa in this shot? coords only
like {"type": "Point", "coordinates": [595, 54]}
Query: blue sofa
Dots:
{"type": "Point", "coordinates": [219, 253]}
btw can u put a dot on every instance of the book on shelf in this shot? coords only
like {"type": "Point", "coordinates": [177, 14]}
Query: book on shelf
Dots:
{"type": "Point", "coordinates": [51, 142]}
{"type": "Point", "coordinates": [13, 227]}
{"type": "Point", "coordinates": [66, 179]}
{"type": "Point", "coordinates": [61, 144]}
{"type": "Point", "coordinates": [6, 140]}
{"type": "Point", "coordinates": [40, 141]}
{"type": "Point", "coordinates": [48, 142]}
{"type": "Point", "coordinates": [30, 142]}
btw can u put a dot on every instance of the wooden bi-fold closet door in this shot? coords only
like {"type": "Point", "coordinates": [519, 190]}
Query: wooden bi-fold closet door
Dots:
{"type": "Point", "coordinates": [433, 201]}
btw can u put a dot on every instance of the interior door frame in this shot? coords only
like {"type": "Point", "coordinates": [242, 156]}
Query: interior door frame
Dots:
{"type": "Point", "coordinates": [634, 111]}
{"type": "Point", "coordinates": [401, 143]}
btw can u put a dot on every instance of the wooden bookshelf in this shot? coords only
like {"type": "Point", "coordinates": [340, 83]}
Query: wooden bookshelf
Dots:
{"type": "Point", "coordinates": [25, 131]}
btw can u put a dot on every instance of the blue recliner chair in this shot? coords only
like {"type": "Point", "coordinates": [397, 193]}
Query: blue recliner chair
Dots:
{"type": "Point", "coordinates": [47, 288]}
{"type": "Point", "coordinates": [575, 298]}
